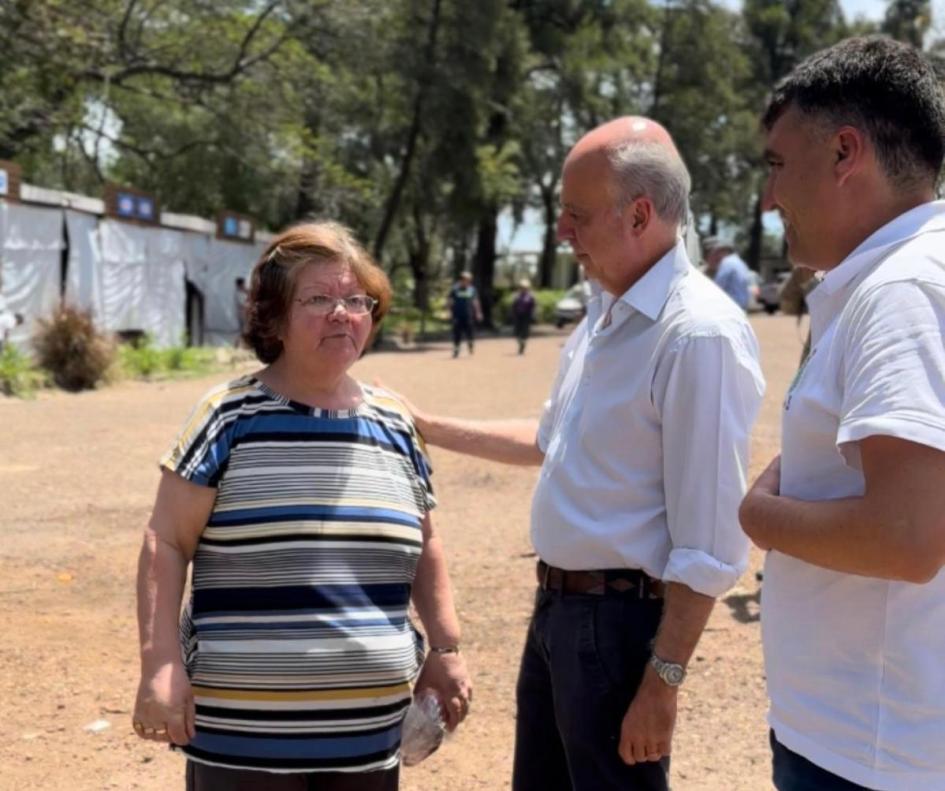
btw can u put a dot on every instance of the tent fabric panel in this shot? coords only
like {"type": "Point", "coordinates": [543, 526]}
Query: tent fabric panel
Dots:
{"type": "Point", "coordinates": [31, 248]}
{"type": "Point", "coordinates": [165, 294]}
{"type": "Point", "coordinates": [124, 257]}
{"type": "Point", "coordinates": [227, 262]}
{"type": "Point", "coordinates": [84, 265]}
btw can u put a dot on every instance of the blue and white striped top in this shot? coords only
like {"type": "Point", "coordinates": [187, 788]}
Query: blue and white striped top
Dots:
{"type": "Point", "coordinates": [296, 637]}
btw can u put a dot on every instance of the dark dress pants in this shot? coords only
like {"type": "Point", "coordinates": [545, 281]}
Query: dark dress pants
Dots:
{"type": "Point", "coordinates": [201, 777]}
{"type": "Point", "coordinates": [583, 661]}
{"type": "Point", "coordinates": [522, 326]}
{"type": "Point", "coordinates": [463, 328]}
{"type": "Point", "coordinates": [793, 772]}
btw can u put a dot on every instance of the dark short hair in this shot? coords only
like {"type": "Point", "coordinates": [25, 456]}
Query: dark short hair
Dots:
{"type": "Point", "coordinates": [275, 274]}
{"type": "Point", "coordinates": [885, 88]}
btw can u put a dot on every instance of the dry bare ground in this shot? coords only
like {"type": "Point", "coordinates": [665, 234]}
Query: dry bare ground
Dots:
{"type": "Point", "coordinates": [77, 476]}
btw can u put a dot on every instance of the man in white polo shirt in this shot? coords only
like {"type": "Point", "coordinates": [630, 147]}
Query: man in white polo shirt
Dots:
{"type": "Point", "coordinates": [853, 511]}
{"type": "Point", "coordinates": [643, 450]}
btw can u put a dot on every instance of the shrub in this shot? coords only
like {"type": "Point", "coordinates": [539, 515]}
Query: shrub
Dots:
{"type": "Point", "coordinates": [18, 376]}
{"type": "Point", "coordinates": [140, 358]}
{"type": "Point", "coordinates": [190, 359]}
{"type": "Point", "coordinates": [545, 302]}
{"type": "Point", "coordinates": [70, 347]}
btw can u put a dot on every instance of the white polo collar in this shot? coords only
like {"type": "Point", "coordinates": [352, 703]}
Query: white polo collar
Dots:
{"type": "Point", "coordinates": [921, 219]}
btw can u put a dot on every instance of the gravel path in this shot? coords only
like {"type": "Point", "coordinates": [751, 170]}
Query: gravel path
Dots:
{"type": "Point", "coordinates": [77, 477]}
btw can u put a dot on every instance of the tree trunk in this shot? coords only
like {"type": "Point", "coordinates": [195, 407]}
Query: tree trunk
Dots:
{"type": "Point", "coordinates": [549, 249]}
{"type": "Point", "coordinates": [413, 135]}
{"type": "Point", "coordinates": [485, 261]}
{"type": "Point", "coordinates": [755, 237]}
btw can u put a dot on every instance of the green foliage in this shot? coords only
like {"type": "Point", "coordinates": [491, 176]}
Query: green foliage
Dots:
{"type": "Point", "coordinates": [908, 20]}
{"type": "Point", "coordinates": [18, 375]}
{"type": "Point", "coordinates": [414, 121]}
{"type": "Point", "coordinates": [143, 360]}
{"type": "Point", "coordinates": [71, 348]}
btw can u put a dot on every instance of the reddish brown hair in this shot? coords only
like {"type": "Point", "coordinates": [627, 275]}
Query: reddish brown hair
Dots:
{"type": "Point", "coordinates": [272, 283]}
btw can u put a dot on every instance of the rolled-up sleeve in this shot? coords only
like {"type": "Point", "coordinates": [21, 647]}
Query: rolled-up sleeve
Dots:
{"type": "Point", "coordinates": [708, 390]}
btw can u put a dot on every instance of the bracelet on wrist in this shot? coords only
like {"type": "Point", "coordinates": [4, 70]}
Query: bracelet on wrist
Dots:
{"type": "Point", "coordinates": [445, 649]}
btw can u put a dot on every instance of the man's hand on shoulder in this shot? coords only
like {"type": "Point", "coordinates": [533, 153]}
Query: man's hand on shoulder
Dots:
{"type": "Point", "coordinates": [420, 418]}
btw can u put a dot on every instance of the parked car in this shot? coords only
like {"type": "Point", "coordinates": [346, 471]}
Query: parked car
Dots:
{"type": "Point", "coordinates": [769, 293]}
{"type": "Point", "coordinates": [573, 305]}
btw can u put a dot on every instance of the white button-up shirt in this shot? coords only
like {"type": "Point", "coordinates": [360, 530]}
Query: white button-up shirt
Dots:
{"type": "Point", "coordinates": [646, 433]}
{"type": "Point", "coordinates": [856, 665]}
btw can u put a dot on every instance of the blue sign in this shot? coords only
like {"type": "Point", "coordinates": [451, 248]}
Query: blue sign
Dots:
{"type": "Point", "coordinates": [145, 209]}
{"type": "Point", "coordinates": [4, 182]}
{"type": "Point", "coordinates": [231, 226]}
{"type": "Point", "coordinates": [125, 204]}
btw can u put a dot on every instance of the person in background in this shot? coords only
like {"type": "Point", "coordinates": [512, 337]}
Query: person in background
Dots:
{"type": "Point", "coordinates": [465, 311]}
{"type": "Point", "coordinates": [301, 498]}
{"type": "Point", "coordinates": [523, 313]}
{"type": "Point", "coordinates": [728, 270]}
{"type": "Point", "coordinates": [853, 510]}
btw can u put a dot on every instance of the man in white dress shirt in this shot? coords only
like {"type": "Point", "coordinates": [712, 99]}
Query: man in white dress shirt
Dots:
{"type": "Point", "coordinates": [853, 511]}
{"type": "Point", "coordinates": [643, 450]}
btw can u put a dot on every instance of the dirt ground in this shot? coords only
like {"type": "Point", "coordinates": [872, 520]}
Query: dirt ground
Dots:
{"type": "Point", "coordinates": [77, 477]}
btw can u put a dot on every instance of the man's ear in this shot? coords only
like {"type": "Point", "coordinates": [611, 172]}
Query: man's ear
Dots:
{"type": "Point", "coordinates": [849, 151]}
{"type": "Point", "coordinates": [639, 214]}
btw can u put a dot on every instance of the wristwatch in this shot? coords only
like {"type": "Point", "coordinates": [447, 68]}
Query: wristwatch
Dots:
{"type": "Point", "coordinates": [669, 672]}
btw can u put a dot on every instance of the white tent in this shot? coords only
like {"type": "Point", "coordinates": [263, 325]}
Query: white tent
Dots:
{"type": "Point", "coordinates": [31, 245]}
{"type": "Point", "coordinates": [140, 281]}
{"type": "Point", "coordinates": [130, 277]}
{"type": "Point", "coordinates": [213, 266]}
{"type": "Point", "coordinates": [83, 270]}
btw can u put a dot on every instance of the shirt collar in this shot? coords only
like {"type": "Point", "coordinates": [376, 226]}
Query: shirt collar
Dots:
{"type": "Point", "coordinates": [925, 217]}
{"type": "Point", "coordinates": [649, 294]}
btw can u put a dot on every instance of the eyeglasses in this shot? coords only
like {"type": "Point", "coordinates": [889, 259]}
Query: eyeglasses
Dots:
{"type": "Point", "coordinates": [323, 304]}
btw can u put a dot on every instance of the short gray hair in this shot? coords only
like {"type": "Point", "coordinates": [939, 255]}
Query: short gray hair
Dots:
{"type": "Point", "coordinates": [653, 170]}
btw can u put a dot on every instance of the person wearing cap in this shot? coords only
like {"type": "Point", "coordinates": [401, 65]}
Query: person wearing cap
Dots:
{"type": "Point", "coordinates": [728, 270]}
{"type": "Point", "coordinates": [465, 310]}
{"type": "Point", "coordinates": [643, 447]}
{"type": "Point", "coordinates": [523, 313]}
{"type": "Point", "coordinates": [853, 612]}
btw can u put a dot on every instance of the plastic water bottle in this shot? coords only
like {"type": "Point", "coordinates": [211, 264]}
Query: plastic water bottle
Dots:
{"type": "Point", "coordinates": [423, 728]}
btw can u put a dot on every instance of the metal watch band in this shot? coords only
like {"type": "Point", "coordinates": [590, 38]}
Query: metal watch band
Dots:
{"type": "Point", "coordinates": [670, 673]}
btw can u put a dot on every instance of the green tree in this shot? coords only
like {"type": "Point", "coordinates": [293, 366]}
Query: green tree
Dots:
{"type": "Point", "coordinates": [780, 35]}
{"type": "Point", "coordinates": [908, 20]}
{"type": "Point", "coordinates": [701, 91]}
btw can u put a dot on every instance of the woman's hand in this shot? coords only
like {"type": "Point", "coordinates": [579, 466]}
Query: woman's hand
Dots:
{"type": "Point", "coordinates": [164, 708]}
{"type": "Point", "coordinates": [446, 674]}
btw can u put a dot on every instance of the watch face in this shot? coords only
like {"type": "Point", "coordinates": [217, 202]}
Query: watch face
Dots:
{"type": "Point", "coordinates": [673, 674]}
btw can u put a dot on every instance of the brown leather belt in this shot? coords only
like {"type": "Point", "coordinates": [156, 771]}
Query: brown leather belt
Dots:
{"type": "Point", "coordinates": [606, 582]}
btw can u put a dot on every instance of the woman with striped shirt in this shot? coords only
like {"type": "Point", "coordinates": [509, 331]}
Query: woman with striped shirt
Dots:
{"type": "Point", "coordinates": [302, 499]}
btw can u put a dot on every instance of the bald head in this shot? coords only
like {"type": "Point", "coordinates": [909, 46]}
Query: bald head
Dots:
{"type": "Point", "coordinates": [642, 160]}
{"type": "Point", "coordinates": [621, 131]}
